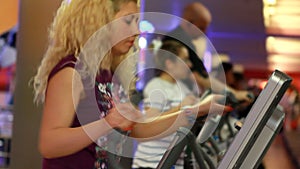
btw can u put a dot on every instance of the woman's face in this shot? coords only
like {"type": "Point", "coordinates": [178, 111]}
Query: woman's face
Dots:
{"type": "Point", "coordinates": [126, 28]}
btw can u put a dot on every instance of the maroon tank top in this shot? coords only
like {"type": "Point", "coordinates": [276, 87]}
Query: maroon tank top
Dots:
{"type": "Point", "coordinates": [92, 156]}
{"type": "Point", "coordinates": [83, 159]}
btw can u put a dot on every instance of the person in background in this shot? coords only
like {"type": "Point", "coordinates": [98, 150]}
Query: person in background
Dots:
{"type": "Point", "coordinates": [64, 140]}
{"type": "Point", "coordinates": [241, 82]}
{"type": "Point", "coordinates": [290, 103]}
{"type": "Point", "coordinates": [8, 57]}
{"type": "Point", "coordinates": [224, 72]}
{"type": "Point", "coordinates": [172, 64]}
{"type": "Point", "coordinates": [197, 17]}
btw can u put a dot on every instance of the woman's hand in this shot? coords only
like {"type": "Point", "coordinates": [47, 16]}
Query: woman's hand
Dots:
{"type": "Point", "coordinates": [123, 116]}
{"type": "Point", "coordinates": [189, 100]}
{"type": "Point", "coordinates": [243, 95]}
{"type": "Point", "coordinates": [210, 104]}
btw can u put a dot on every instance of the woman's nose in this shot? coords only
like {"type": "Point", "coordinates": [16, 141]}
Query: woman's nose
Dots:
{"type": "Point", "coordinates": [135, 29]}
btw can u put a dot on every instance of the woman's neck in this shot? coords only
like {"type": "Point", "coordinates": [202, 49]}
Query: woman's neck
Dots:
{"type": "Point", "coordinates": [167, 77]}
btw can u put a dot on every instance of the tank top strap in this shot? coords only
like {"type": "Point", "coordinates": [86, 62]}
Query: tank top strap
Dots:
{"type": "Point", "coordinates": [69, 61]}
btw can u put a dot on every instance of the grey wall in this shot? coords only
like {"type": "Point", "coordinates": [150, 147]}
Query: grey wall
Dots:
{"type": "Point", "coordinates": [34, 18]}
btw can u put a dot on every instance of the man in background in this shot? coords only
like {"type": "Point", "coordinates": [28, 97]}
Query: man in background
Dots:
{"type": "Point", "coordinates": [197, 17]}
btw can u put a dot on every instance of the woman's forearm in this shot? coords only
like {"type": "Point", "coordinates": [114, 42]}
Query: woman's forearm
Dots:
{"type": "Point", "coordinates": [64, 141]}
{"type": "Point", "coordinates": [161, 126]}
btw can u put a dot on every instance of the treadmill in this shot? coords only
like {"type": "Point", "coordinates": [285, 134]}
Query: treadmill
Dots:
{"type": "Point", "coordinates": [255, 136]}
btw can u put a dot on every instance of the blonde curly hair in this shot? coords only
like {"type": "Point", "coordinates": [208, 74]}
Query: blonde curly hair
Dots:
{"type": "Point", "coordinates": [75, 22]}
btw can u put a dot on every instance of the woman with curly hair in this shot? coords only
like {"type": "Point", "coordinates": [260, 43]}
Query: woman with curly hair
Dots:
{"type": "Point", "coordinates": [84, 49]}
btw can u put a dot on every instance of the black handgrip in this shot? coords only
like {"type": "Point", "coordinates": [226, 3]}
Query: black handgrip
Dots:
{"type": "Point", "coordinates": [114, 139]}
{"type": "Point", "coordinates": [231, 100]}
{"type": "Point", "coordinates": [206, 93]}
{"type": "Point", "coordinates": [251, 95]}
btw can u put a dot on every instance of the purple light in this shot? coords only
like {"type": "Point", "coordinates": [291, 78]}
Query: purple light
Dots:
{"type": "Point", "coordinates": [142, 42]}
{"type": "Point", "coordinates": [146, 26]}
{"type": "Point", "coordinates": [207, 61]}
